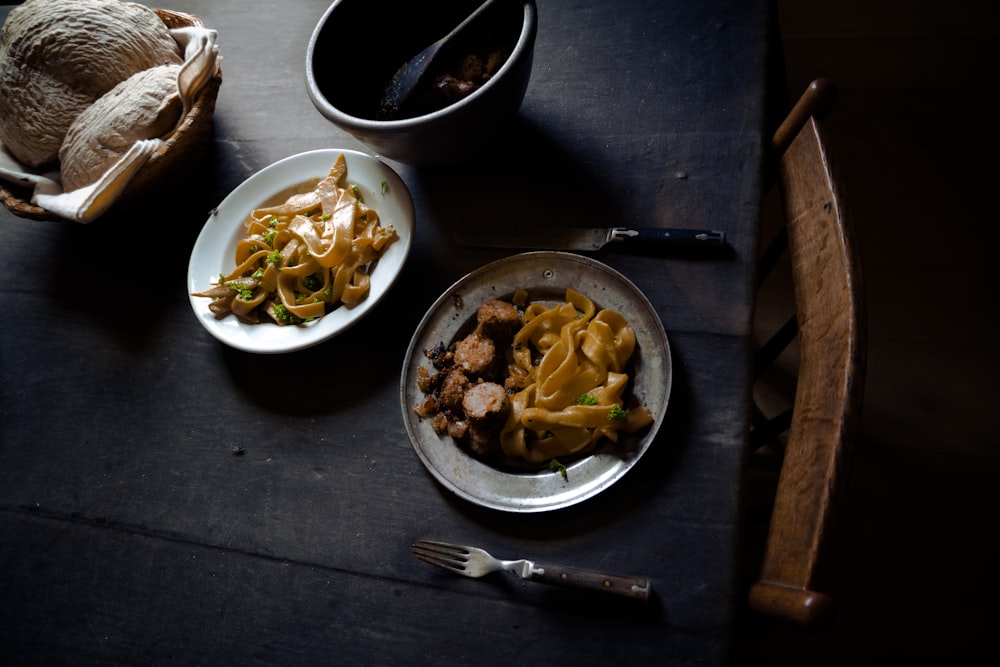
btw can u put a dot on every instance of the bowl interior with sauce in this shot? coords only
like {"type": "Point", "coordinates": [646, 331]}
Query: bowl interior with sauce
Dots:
{"type": "Point", "coordinates": [358, 45]}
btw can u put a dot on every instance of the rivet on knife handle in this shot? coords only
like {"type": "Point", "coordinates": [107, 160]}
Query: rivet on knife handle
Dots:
{"type": "Point", "coordinates": [638, 588]}
{"type": "Point", "coordinates": [672, 237]}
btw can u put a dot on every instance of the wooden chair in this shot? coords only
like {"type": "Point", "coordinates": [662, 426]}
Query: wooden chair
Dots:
{"type": "Point", "coordinates": [829, 328]}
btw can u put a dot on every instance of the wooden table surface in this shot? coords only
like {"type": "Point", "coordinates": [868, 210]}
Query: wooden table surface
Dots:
{"type": "Point", "coordinates": [130, 532]}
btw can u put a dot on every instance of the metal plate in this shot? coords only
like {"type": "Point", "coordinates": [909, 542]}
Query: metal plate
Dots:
{"type": "Point", "coordinates": [545, 276]}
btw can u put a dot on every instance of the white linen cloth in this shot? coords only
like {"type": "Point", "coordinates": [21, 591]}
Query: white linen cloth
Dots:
{"type": "Point", "coordinates": [87, 203]}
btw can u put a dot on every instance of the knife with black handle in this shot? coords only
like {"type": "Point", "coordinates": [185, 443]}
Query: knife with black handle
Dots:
{"type": "Point", "coordinates": [586, 239]}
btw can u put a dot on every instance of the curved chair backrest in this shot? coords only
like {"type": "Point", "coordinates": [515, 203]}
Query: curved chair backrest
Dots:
{"type": "Point", "coordinates": [829, 302]}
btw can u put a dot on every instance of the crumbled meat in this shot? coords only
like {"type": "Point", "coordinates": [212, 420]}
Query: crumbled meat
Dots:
{"type": "Point", "coordinates": [425, 381]}
{"type": "Point", "coordinates": [463, 77]}
{"type": "Point", "coordinates": [426, 407]}
{"type": "Point", "coordinates": [450, 89]}
{"type": "Point", "coordinates": [440, 423]}
{"type": "Point", "coordinates": [439, 355]}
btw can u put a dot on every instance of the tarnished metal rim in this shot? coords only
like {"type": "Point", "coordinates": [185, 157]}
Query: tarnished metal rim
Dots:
{"type": "Point", "coordinates": [545, 276]}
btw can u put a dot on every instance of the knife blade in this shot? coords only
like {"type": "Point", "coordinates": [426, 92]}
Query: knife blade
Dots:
{"type": "Point", "coordinates": [587, 239]}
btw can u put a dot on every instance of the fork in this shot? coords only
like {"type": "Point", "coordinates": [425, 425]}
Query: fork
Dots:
{"type": "Point", "coordinates": [475, 562]}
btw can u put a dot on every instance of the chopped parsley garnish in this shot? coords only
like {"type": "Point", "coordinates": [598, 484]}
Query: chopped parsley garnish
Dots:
{"type": "Point", "coordinates": [245, 292]}
{"type": "Point", "coordinates": [617, 414]}
{"type": "Point", "coordinates": [385, 187]}
{"type": "Point", "coordinates": [274, 257]}
{"type": "Point", "coordinates": [281, 313]}
{"type": "Point", "coordinates": [273, 222]}
{"type": "Point", "coordinates": [356, 191]}
{"type": "Point", "coordinates": [558, 467]}
{"type": "Point", "coordinates": [313, 281]}
{"type": "Point", "coordinates": [269, 237]}
{"type": "Point", "coordinates": [258, 274]}
{"type": "Point", "coordinates": [586, 399]}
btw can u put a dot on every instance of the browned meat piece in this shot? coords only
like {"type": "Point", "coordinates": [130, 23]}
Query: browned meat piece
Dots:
{"type": "Point", "coordinates": [452, 390]}
{"type": "Point", "coordinates": [425, 381]}
{"type": "Point", "coordinates": [498, 320]}
{"type": "Point", "coordinates": [440, 356]}
{"type": "Point", "coordinates": [481, 440]}
{"type": "Point", "coordinates": [439, 423]}
{"type": "Point", "coordinates": [465, 398]}
{"type": "Point", "coordinates": [485, 401]}
{"type": "Point", "coordinates": [426, 408]}
{"type": "Point", "coordinates": [476, 355]}
{"type": "Point", "coordinates": [450, 89]}
{"type": "Point", "coordinates": [457, 429]}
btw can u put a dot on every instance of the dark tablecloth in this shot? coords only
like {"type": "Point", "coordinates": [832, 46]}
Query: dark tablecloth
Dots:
{"type": "Point", "coordinates": [166, 499]}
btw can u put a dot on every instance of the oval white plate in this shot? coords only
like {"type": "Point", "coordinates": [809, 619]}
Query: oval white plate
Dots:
{"type": "Point", "coordinates": [545, 276]}
{"type": "Point", "coordinates": [214, 251]}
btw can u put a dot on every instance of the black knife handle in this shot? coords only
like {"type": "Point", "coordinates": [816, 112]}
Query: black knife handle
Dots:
{"type": "Point", "coordinates": [638, 588]}
{"type": "Point", "coordinates": [652, 236]}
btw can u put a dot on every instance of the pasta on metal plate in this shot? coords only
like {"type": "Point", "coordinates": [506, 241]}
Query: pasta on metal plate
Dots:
{"type": "Point", "coordinates": [534, 382]}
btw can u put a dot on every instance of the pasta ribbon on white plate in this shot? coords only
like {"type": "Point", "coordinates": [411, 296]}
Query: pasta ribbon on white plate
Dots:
{"type": "Point", "coordinates": [301, 258]}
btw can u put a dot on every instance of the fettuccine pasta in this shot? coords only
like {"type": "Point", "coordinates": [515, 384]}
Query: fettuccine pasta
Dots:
{"type": "Point", "coordinates": [574, 395]}
{"type": "Point", "coordinates": [304, 257]}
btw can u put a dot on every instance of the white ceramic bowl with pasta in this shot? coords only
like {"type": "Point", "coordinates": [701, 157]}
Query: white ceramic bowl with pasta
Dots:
{"type": "Point", "coordinates": [215, 249]}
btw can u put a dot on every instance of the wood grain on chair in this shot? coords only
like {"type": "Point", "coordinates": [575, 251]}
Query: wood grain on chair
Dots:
{"type": "Point", "coordinates": [831, 334]}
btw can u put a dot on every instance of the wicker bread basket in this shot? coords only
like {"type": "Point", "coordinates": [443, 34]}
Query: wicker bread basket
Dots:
{"type": "Point", "coordinates": [185, 143]}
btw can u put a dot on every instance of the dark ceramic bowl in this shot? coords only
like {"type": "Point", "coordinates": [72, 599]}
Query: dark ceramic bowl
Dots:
{"type": "Point", "coordinates": [359, 44]}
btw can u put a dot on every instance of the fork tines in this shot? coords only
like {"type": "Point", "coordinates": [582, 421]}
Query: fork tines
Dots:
{"type": "Point", "coordinates": [448, 556]}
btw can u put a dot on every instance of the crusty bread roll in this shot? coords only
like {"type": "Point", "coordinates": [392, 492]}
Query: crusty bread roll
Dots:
{"type": "Point", "coordinates": [58, 56]}
{"type": "Point", "coordinates": [146, 105]}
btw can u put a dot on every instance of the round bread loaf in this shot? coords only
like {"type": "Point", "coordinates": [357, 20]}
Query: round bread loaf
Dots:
{"type": "Point", "coordinates": [58, 56]}
{"type": "Point", "coordinates": [146, 105]}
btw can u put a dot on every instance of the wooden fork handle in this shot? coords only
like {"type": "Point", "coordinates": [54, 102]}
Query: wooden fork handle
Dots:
{"type": "Point", "coordinates": [638, 588]}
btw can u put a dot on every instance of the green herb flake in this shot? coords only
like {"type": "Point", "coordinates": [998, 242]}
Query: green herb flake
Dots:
{"type": "Point", "coordinates": [555, 466]}
{"type": "Point", "coordinates": [586, 399]}
{"type": "Point", "coordinates": [313, 281]}
{"type": "Point", "coordinates": [273, 222]}
{"type": "Point", "coordinates": [617, 414]}
{"type": "Point", "coordinates": [274, 257]}
{"type": "Point", "coordinates": [356, 191]}
{"type": "Point", "coordinates": [385, 187]}
{"type": "Point", "coordinates": [245, 293]}
{"type": "Point", "coordinates": [281, 313]}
